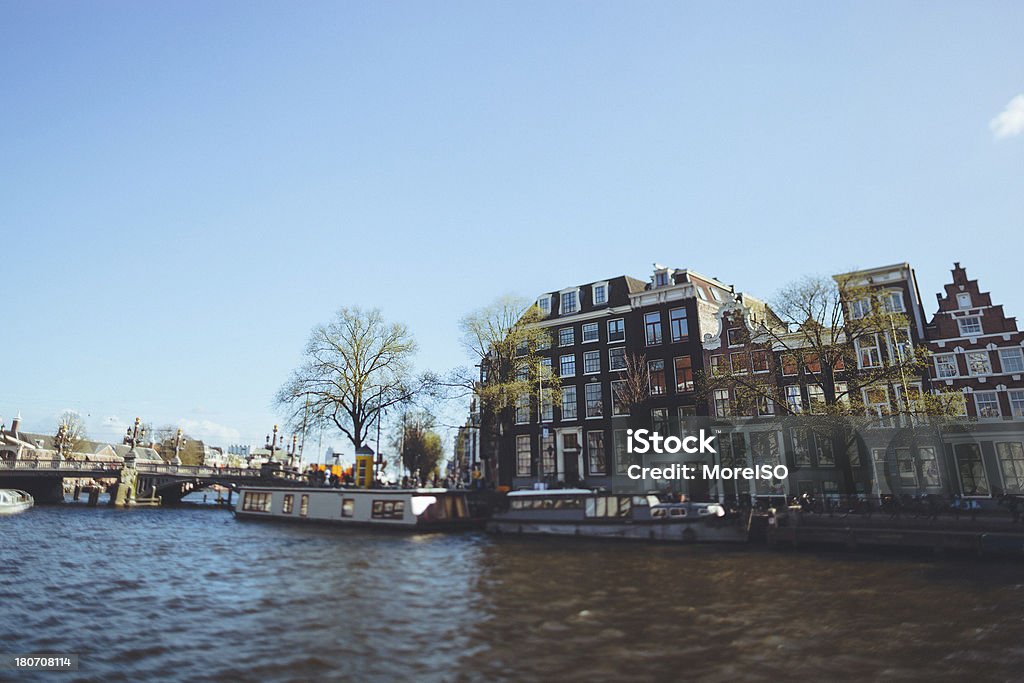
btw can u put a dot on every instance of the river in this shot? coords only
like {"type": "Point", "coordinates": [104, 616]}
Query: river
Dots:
{"type": "Point", "coordinates": [191, 594]}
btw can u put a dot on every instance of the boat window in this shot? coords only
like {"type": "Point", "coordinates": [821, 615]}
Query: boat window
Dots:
{"type": "Point", "coordinates": [256, 502]}
{"type": "Point", "coordinates": [348, 507]}
{"type": "Point", "coordinates": [304, 505]}
{"type": "Point", "coordinates": [288, 504]}
{"type": "Point", "coordinates": [388, 509]}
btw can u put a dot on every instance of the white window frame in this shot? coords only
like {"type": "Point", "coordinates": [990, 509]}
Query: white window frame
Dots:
{"type": "Point", "coordinates": [953, 362]}
{"type": "Point", "coordinates": [608, 328]}
{"type": "Point", "coordinates": [964, 333]}
{"type": "Point", "coordinates": [1017, 354]}
{"type": "Point", "coordinates": [593, 293]}
{"type": "Point", "coordinates": [595, 327]}
{"type": "Point", "coordinates": [575, 292]}
{"type": "Point", "coordinates": [988, 362]}
{"type": "Point", "coordinates": [995, 398]}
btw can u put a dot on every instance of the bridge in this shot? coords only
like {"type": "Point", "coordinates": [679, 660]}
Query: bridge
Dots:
{"type": "Point", "coordinates": [44, 479]}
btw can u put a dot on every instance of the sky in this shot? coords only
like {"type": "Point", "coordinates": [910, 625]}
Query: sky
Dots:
{"type": "Point", "coordinates": [187, 188]}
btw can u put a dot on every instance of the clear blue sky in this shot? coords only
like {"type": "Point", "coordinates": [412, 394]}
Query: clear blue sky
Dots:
{"type": "Point", "coordinates": [186, 188]}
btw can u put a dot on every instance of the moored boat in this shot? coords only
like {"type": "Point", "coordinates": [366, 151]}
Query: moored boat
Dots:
{"type": "Point", "coordinates": [412, 509]}
{"type": "Point", "coordinates": [580, 512]}
{"type": "Point", "coordinates": [13, 501]}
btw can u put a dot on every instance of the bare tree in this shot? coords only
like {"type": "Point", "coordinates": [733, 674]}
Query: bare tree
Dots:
{"type": "Point", "coordinates": [355, 368]}
{"type": "Point", "coordinates": [506, 339]}
{"type": "Point", "coordinates": [70, 433]}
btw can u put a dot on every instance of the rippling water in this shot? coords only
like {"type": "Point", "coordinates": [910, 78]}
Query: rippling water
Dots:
{"type": "Point", "coordinates": [191, 594]}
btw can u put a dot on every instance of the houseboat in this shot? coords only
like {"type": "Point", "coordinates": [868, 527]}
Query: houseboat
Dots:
{"type": "Point", "coordinates": [413, 509]}
{"type": "Point", "coordinates": [580, 512]}
{"type": "Point", "coordinates": [13, 501]}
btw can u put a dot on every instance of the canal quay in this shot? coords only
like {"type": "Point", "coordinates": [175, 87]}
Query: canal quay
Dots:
{"type": "Point", "coordinates": [189, 593]}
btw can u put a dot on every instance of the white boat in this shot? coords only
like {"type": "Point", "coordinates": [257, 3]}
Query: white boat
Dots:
{"type": "Point", "coordinates": [13, 501]}
{"type": "Point", "coordinates": [581, 512]}
{"type": "Point", "coordinates": [415, 509]}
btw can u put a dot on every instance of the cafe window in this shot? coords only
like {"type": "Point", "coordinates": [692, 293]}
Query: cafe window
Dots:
{"type": "Point", "coordinates": [973, 479]}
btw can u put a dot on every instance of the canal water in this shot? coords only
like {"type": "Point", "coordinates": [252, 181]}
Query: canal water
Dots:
{"type": "Point", "coordinates": [190, 594]}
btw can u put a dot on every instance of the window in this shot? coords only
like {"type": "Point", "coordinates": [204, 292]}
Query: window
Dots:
{"type": "Point", "coordinates": [793, 398]}
{"type": "Point", "coordinates": [304, 505]}
{"type": "Point", "coordinates": [1011, 360]}
{"type": "Point", "coordinates": [569, 403]}
{"type": "Point", "coordinates": [678, 326]}
{"type": "Point", "coordinates": [722, 407]}
{"type": "Point", "coordinates": [815, 399]}
{"type": "Point", "coordinates": [973, 480]}
{"type": "Point", "coordinates": [945, 366]}
{"type": "Point", "coordinates": [569, 303]}
{"type": "Point", "coordinates": [739, 361]}
{"type": "Point", "coordinates": [868, 355]}
{"type": "Point", "coordinates": [876, 401]}
{"type": "Point", "coordinates": [735, 336]}
{"type": "Point", "coordinates": [789, 367]}
{"type": "Point", "coordinates": [963, 300]}
{"type": "Point", "coordinates": [566, 337]}
{"type": "Point", "coordinates": [616, 330]}
{"type": "Point", "coordinates": [288, 504]}
{"type": "Point", "coordinates": [595, 453]}
{"type": "Point", "coordinates": [661, 278]}
{"type": "Point", "coordinates": [718, 365]}
{"type": "Point", "coordinates": [892, 302]}
{"type": "Point", "coordinates": [684, 374]}
{"type": "Point", "coordinates": [1016, 397]}
{"type": "Point", "coordinates": [591, 362]}
{"type": "Point", "coordinates": [547, 406]}
{"type": "Point", "coordinates": [547, 454]}
{"type": "Point", "coordinates": [348, 507]}
{"type": "Point", "coordinates": [619, 398]}
{"type": "Point", "coordinates": [388, 509]}
{"type": "Point", "coordinates": [759, 361]}
{"type": "Point", "coordinates": [656, 376]}
{"type": "Point", "coordinates": [590, 332]}
{"type": "Point", "coordinates": [567, 365]}
{"type": "Point", "coordinates": [617, 358]}
{"type": "Point", "coordinates": [256, 502]}
{"type": "Point", "coordinates": [860, 308]}
{"type": "Point", "coordinates": [987, 403]}
{"type": "Point", "coordinates": [524, 456]}
{"type": "Point", "coordinates": [978, 363]}
{"type": "Point", "coordinates": [970, 326]}
{"type": "Point", "coordinates": [812, 363]}
{"type": "Point", "coordinates": [595, 405]}
{"type": "Point", "coordinates": [929, 466]}
{"type": "Point", "coordinates": [522, 409]}
{"type": "Point", "coordinates": [652, 328]}
{"type": "Point", "coordinates": [545, 305]}
{"type": "Point", "coordinates": [600, 294]}
{"type": "Point", "coordinates": [1011, 464]}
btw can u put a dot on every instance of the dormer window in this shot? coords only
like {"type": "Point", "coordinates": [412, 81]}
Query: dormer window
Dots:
{"type": "Point", "coordinates": [545, 304]}
{"type": "Point", "coordinates": [963, 300]}
{"type": "Point", "coordinates": [599, 293]}
{"type": "Point", "coordinates": [570, 302]}
{"type": "Point", "coordinates": [661, 278]}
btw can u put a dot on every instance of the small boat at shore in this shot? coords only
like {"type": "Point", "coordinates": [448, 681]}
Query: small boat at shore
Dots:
{"type": "Point", "coordinates": [581, 512]}
{"type": "Point", "coordinates": [424, 509]}
{"type": "Point", "coordinates": [13, 501]}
